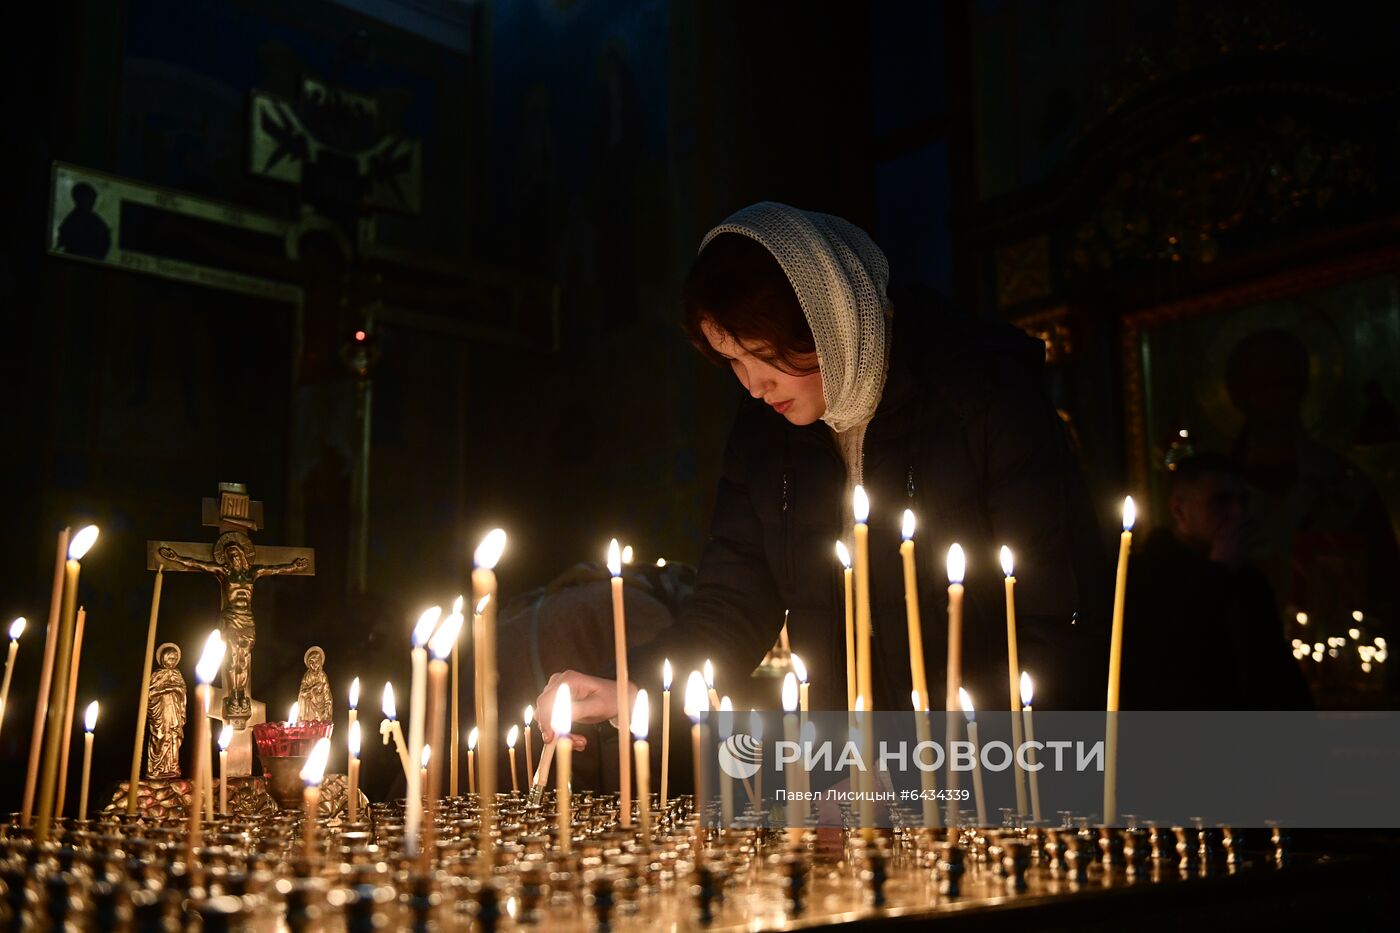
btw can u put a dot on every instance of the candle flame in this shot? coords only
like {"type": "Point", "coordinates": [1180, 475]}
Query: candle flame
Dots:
{"type": "Point", "coordinates": [641, 717]}
{"type": "Point", "coordinates": [1354, 633]}
{"type": "Point", "coordinates": [210, 658]}
{"type": "Point", "coordinates": [957, 564]}
{"type": "Point", "coordinates": [294, 714]}
{"type": "Point", "coordinates": [1302, 618]}
{"type": "Point", "coordinates": [17, 628]}
{"type": "Point", "coordinates": [457, 603]}
{"type": "Point", "coordinates": [907, 530]}
{"type": "Point", "coordinates": [355, 693]}
{"type": "Point", "coordinates": [798, 667]}
{"type": "Point", "coordinates": [709, 670]}
{"type": "Point", "coordinates": [529, 715]}
{"type": "Point", "coordinates": [1027, 689]}
{"type": "Point", "coordinates": [697, 698]}
{"type": "Point", "coordinates": [390, 710]}
{"type": "Point", "coordinates": [445, 637]}
{"type": "Point", "coordinates": [473, 737]}
{"type": "Point", "coordinates": [315, 767]}
{"type": "Point", "coordinates": [666, 674]}
{"type": "Point", "coordinates": [225, 736]}
{"type": "Point", "coordinates": [482, 603]}
{"type": "Point", "coordinates": [427, 622]}
{"type": "Point", "coordinates": [1129, 513]}
{"type": "Point", "coordinates": [843, 555]}
{"type": "Point", "coordinates": [512, 736]}
{"type": "Point", "coordinates": [614, 559]}
{"type": "Point", "coordinates": [352, 740]}
{"type": "Point", "coordinates": [756, 725]}
{"type": "Point", "coordinates": [627, 554]}
{"type": "Point", "coordinates": [82, 543]}
{"type": "Point", "coordinates": [426, 757]}
{"type": "Point", "coordinates": [1357, 615]}
{"type": "Point", "coordinates": [90, 717]}
{"type": "Point", "coordinates": [916, 700]}
{"type": "Point", "coordinates": [965, 699]}
{"type": "Point", "coordinates": [789, 692]}
{"type": "Point", "coordinates": [661, 562]}
{"type": "Point", "coordinates": [1008, 566]}
{"type": "Point", "coordinates": [860, 703]}
{"type": "Point", "coordinates": [489, 551]}
{"type": "Point", "coordinates": [860, 505]}
{"type": "Point", "coordinates": [561, 718]}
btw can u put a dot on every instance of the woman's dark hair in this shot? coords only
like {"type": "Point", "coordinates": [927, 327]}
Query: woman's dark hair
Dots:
{"type": "Point", "coordinates": [738, 287]}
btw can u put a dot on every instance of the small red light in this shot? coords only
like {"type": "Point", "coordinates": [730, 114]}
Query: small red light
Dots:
{"type": "Point", "coordinates": [360, 336]}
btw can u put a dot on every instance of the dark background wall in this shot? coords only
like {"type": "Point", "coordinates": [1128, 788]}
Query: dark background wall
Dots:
{"type": "Point", "coordinates": [578, 151]}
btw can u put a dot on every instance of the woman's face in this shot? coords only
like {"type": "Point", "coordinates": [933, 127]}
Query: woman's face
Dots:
{"type": "Point", "coordinates": [797, 398]}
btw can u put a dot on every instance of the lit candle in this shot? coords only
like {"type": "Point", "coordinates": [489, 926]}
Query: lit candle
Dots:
{"type": "Point", "coordinates": [353, 716]}
{"type": "Point", "coordinates": [1115, 666]}
{"type": "Point", "coordinates": [471, 758]}
{"type": "Point", "coordinates": [561, 722]}
{"type": "Point", "coordinates": [864, 780]}
{"type": "Point", "coordinates": [1027, 694]}
{"type": "Point", "coordinates": [971, 714]}
{"type": "Point", "coordinates": [440, 647]}
{"type": "Point", "coordinates": [311, 774]}
{"type": "Point", "coordinates": [1013, 665]}
{"type": "Point", "coordinates": [529, 743]}
{"type": "Point", "coordinates": [639, 720]}
{"type": "Point", "coordinates": [58, 689]}
{"type": "Point", "coordinates": [145, 680]}
{"type": "Point", "coordinates": [791, 779]}
{"type": "Point", "coordinates": [627, 554]}
{"type": "Point", "coordinates": [800, 669]}
{"type": "Point", "coordinates": [511, 738]}
{"type": "Point", "coordinates": [206, 789]}
{"type": "Point", "coordinates": [911, 606]}
{"type": "Point", "coordinates": [454, 724]}
{"type": "Point", "coordinates": [69, 711]}
{"type": "Point", "coordinates": [16, 630]}
{"type": "Point", "coordinates": [41, 706]}
{"type": "Point", "coordinates": [389, 728]}
{"type": "Point", "coordinates": [860, 508]}
{"type": "Point", "coordinates": [210, 660]}
{"type": "Point", "coordinates": [624, 760]}
{"type": "Point", "coordinates": [711, 694]}
{"type": "Point", "coordinates": [696, 703]}
{"type": "Point", "coordinates": [756, 730]}
{"type": "Point", "coordinates": [928, 783]}
{"type": "Point", "coordinates": [487, 555]}
{"type": "Point", "coordinates": [665, 728]}
{"type": "Point", "coordinates": [225, 739]}
{"type": "Point", "coordinates": [856, 722]}
{"type": "Point", "coordinates": [353, 747]}
{"type": "Point", "coordinates": [957, 565]}
{"type": "Point", "coordinates": [423, 762]}
{"type": "Point", "coordinates": [89, 725]}
{"type": "Point", "coordinates": [726, 783]}
{"type": "Point", "coordinates": [417, 712]}
{"type": "Point", "coordinates": [844, 556]}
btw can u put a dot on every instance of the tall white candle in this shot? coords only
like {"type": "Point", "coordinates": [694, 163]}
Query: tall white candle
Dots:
{"type": "Point", "coordinates": [389, 729]}
{"type": "Point", "coordinates": [696, 704]}
{"type": "Point", "coordinates": [641, 713]}
{"type": "Point", "coordinates": [624, 757]}
{"type": "Point", "coordinates": [16, 630]}
{"type": "Point", "coordinates": [89, 726]}
{"type": "Point", "coordinates": [484, 559]}
{"type": "Point", "coordinates": [957, 565]}
{"type": "Point", "coordinates": [726, 783]}
{"type": "Point", "coordinates": [561, 722]}
{"type": "Point", "coordinates": [1027, 694]}
{"type": "Point", "coordinates": [1115, 666]}
{"type": "Point", "coordinates": [792, 781]}
{"type": "Point", "coordinates": [665, 728]}
{"type": "Point", "coordinates": [417, 712]}
{"type": "Point", "coordinates": [225, 739]}
{"type": "Point", "coordinates": [352, 742]}
{"type": "Point", "coordinates": [971, 713]}
{"type": "Point", "coordinates": [1013, 667]}
{"type": "Point", "coordinates": [210, 660]}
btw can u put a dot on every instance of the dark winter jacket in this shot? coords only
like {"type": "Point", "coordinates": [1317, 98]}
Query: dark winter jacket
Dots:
{"type": "Point", "coordinates": [966, 437]}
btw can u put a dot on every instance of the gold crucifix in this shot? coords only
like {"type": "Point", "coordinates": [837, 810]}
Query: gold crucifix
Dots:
{"type": "Point", "coordinates": [232, 561]}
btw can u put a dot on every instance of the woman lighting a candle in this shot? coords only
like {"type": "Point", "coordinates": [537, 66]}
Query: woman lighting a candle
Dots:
{"type": "Point", "coordinates": [932, 411]}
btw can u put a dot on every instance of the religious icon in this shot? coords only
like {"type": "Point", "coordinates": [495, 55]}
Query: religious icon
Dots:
{"type": "Point", "coordinates": [165, 714]}
{"type": "Point", "coordinates": [235, 568]}
{"type": "Point", "coordinates": [315, 693]}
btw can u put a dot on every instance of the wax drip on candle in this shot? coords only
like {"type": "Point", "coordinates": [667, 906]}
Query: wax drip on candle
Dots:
{"type": "Point", "coordinates": [641, 713]}
{"type": "Point", "coordinates": [390, 710]}
{"type": "Point", "coordinates": [355, 693]}
{"type": "Point", "coordinates": [90, 717]}
{"type": "Point", "coordinates": [352, 740]}
{"type": "Point", "coordinates": [315, 767]}
{"type": "Point", "coordinates": [17, 628]}
{"type": "Point", "coordinates": [1027, 689]}
{"type": "Point", "coordinates": [225, 737]}
{"type": "Point", "coordinates": [512, 736]}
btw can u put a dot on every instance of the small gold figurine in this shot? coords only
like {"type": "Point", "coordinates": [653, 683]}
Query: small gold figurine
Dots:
{"type": "Point", "coordinates": [165, 714]}
{"type": "Point", "coordinates": [315, 693]}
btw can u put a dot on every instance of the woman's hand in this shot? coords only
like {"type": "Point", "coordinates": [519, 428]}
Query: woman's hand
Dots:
{"type": "Point", "coordinates": [594, 700]}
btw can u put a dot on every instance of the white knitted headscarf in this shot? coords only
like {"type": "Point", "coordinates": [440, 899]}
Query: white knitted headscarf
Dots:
{"type": "Point", "coordinates": [840, 276]}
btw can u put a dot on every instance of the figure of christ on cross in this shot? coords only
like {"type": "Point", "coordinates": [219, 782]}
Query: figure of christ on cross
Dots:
{"type": "Point", "coordinates": [235, 568]}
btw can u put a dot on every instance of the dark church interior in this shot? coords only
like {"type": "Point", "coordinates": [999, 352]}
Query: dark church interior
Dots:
{"type": "Point", "coordinates": [328, 290]}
